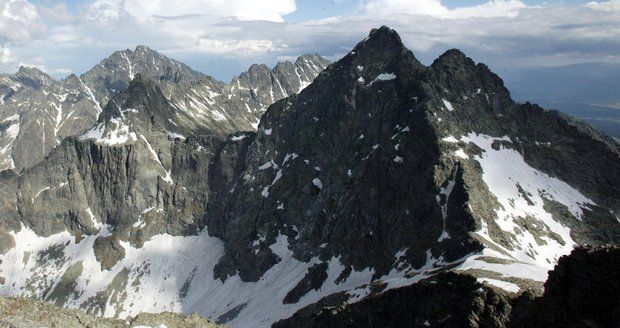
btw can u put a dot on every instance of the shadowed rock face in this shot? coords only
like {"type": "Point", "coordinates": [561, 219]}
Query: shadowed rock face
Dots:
{"type": "Point", "coordinates": [336, 126]}
{"type": "Point", "coordinates": [379, 174]}
{"type": "Point", "coordinates": [357, 162]}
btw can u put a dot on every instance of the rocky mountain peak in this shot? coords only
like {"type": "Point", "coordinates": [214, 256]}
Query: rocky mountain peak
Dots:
{"type": "Point", "coordinates": [114, 73]}
{"type": "Point", "coordinates": [309, 58]}
{"type": "Point", "coordinates": [261, 86]}
{"type": "Point", "coordinates": [32, 76]}
{"type": "Point", "coordinates": [379, 57]}
{"type": "Point", "coordinates": [383, 44]}
{"type": "Point", "coordinates": [455, 58]}
{"type": "Point", "coordinates": [142, 103]}
{"type": "Point", "coordinates": [385, 34]}
{"type": "Point", "coordinates": [142, 49]}
{"type": "Point", "coordinates": [72, 81]}
{"type": "Point", "coordinates": [256, 68]}
{"type": "Point", "coordinates": [425, 154]}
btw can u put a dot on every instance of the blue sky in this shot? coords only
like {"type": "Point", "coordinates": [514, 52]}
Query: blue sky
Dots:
{"type": "Point", "coordinates": [223, 37]}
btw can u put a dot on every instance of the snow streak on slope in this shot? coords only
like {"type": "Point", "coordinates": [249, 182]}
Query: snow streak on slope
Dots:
{"type": "Point", "coordinates": [7, 139]}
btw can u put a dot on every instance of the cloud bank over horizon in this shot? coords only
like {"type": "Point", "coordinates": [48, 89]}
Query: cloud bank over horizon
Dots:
{"type": "Point", "coordinates": [222, 37]}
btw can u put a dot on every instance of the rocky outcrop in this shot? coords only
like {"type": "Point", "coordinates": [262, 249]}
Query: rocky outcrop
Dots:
{"type": "Point", "coordinates": [108, 251]}
{"type": "Point", "coordinates": [6, 242]}
{"type": "Point", "coordinates": [121, 174]}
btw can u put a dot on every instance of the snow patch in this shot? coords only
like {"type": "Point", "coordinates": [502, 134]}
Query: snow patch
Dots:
{"type": "Point", "coordinates": [238, 138]}
{"type": "Point", "coordinates": [450, 139]}
{"type": "Point", "coordinates": [383, 77]}
{"type": "Point", "coordinates": [174, 135]}
{"type": "Point", "coordinates": [317, 182]}
{"type": "Point", "coordinates": [448, 105]}
{"type": "Point", "coordinates": [508, 286]}
{"type": "Point", "coordinates": [118, 134]}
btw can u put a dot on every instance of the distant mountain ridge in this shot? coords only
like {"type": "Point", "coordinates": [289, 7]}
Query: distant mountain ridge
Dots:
{"type": "Point", "coordinates": [37, 112]}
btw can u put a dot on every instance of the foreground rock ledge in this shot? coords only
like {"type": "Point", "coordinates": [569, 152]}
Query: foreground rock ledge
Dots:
{"type": "Point", "coordinates": [25, 313]}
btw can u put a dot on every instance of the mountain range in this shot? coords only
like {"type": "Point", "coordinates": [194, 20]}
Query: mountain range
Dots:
{"type": "Point", "coordinates": [38, 112]}
{"type": "Point", "coordinates": [310, 191]}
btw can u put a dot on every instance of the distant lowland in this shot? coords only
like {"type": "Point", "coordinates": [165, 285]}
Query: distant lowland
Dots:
{"type": "Point", "coordinates": [590, 91]}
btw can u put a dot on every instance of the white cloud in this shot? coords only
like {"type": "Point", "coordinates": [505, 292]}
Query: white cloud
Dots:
{"type": "Point", "coordinates": [56, 13]}
{"type": "Point", "coordinates": [495, 8]}
{"type": "Point", "coordinates": [149, 10]}
{"type": "Point", "coordinates": [19, 21]}
{"type": "Point", "coordinates": [107, 11]}
{"type": "Point", "coordinates": [183, 26]}
{"type": "Point", "coordinates": [64, 71]}
{"type": "Point", "coordinates": [64, 36]}
{"type": "Point", "coordinates": [413, 7]}
{"type": "Point", "coordinates": [5, 56]}
{"type": "Point", "coordinates": [435, 8]}
{"type": "Point", "coordinates": [10, 62]}
{"type": "Point", "coordinates": [612, 5]}
{"type": "Point", "coordinates": [237, 47]}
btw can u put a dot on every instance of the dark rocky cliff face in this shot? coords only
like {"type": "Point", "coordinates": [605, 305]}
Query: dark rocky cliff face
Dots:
{"type": "Point", "coordinates": [357, 160]}
{"type": "Point", "coordinates": [382, 182]}
{"type": "Point", "coordinates": [323, 162]}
